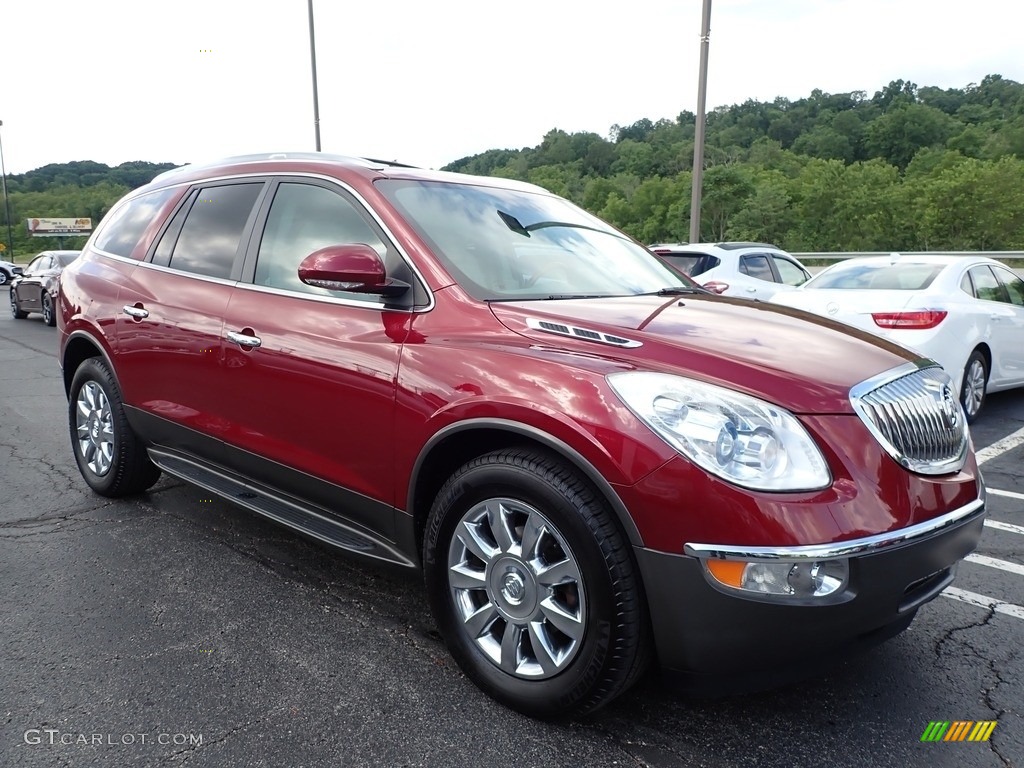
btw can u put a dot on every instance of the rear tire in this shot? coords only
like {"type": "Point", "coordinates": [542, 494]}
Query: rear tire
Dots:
{"type": "Point", "coordinates": [109, 455]}
{"type": "Point", "coordinates": [533, 587]}
{"type": "Point", "coordinates": [973, 385]}
{"type": "Point", "coordinates": [48, 315]}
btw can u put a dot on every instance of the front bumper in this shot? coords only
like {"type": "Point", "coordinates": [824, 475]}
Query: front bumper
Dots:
{"type": "Point", "coordinates": [715, 635]}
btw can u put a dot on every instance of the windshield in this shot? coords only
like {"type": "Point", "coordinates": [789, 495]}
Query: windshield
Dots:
{"type": "Point", "coordinates": [504, 244]}
{"type": "Point", "coordinates": [877, 275]}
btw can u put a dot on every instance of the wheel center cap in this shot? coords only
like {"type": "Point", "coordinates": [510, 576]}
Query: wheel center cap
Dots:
{"type": "Point", "coordinates": [513, 587]}
{"type": "Point", "coordinates": [94, 427]}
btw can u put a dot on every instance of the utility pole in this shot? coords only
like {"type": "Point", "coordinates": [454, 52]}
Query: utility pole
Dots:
{"type": "Point", "coordinates": [698, 137]}
{"type": "Point", "coordinates": [7, 200]}
{"type": "Point", "coordinates": [312, 59]}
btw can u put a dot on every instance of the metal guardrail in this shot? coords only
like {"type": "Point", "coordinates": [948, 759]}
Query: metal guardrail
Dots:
{"type": "Point", "coordinates": [839, 256]}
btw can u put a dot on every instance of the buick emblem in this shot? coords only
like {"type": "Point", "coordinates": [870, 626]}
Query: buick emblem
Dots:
{"type": "Point", "coordinates": [950, 407]}
{"type": "Point", "coordinates": [832, 308]}
{"type": "Point", "coordinates": [513, 587]}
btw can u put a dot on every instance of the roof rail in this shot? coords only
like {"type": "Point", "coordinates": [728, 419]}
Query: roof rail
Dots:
{"type": "Point", "coordinates": [265, 156]}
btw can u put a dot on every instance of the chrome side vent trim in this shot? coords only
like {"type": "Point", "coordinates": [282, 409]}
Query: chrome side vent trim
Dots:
{"type": "Point", "coordinates": [915, 415]}
{"type": "Point", "coordinates": [587, 334]}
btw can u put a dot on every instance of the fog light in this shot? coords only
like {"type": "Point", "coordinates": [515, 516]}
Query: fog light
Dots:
{"type": "Point", "coordinates": [784, 579]}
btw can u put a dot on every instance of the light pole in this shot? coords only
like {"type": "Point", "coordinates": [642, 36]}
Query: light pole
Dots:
{"type": "Point", "coordinates": [7, 201]}
{"type": "Point", "coordinates": [312, 59]}
{"type": "Point", "coordinates": [698, 136]}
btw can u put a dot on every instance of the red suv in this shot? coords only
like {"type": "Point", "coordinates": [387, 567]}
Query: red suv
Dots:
{"type": "Point", "coordinates": [593, 460]}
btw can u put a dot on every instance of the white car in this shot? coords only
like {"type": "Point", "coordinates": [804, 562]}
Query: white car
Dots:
{"type": "Point", "coordinates": [750, 270]}
{"type": "Point", "coordinates": [966, 313]}
{"type": "Point", "coordinates": [7, 271]}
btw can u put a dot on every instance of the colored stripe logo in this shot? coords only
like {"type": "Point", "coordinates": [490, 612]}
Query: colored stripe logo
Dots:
{"type": "Point", "coordinates": [958, 730]}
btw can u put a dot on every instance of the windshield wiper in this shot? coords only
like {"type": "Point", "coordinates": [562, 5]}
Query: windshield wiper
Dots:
{"type": "Point", "coordinates": [516, 226]}
{"type": "Point", "coordinates": [583, 296]}
{"type": "Point", "coordinates": [675, 291]}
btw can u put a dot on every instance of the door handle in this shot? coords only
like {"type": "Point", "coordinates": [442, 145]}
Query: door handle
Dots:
{"type": "Point", "coordinates": [244, 340]}
{"type": "Point", "coordinates": [136, 312]}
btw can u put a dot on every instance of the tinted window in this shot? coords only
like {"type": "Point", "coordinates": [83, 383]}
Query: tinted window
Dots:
{"type": "Point", "coordinates": [986, 287]}
{"type": "Point", "coordinates": [66, 258]}
{"type": "Point", "coordinates": [305, 218]}
{"type": "Point", "coordinates": [757, 266]}
{"type": "Point", "coordinates": [790, 273]}
{"type": "Point", "coordinates": [121, 229]}
{"type": "Point", "coordinates": [881, 275]}
{"type": "Point", "coordinates": [1013, 284]}
{"type": "Point", "coordinates": [213, 229]}
{"type": "Point", "coordinates": [691, 263]}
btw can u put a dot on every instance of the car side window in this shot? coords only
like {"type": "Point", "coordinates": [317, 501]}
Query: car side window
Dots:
{"type": "Point", "coordinates": [986, 286]}
{"type": "Point", "coordinates": [1014, 285]}
{"type": "Point", "coordinates": [121, 231]}
{"type": "Point", "coordinates": [213, 229]}
{"type": "Point", "coordinates": [790, 273]}
{"type": "Point", "coordinates": [304, 218]}
{"type": "Point", "coordinates": [756, 265]}
{"type": "Point", "coordinates": [38, 265]}
{"type": "Point", "coordinates": [966, 285]}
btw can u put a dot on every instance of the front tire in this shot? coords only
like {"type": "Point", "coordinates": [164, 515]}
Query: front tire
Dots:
{"type": "Point", "coordinates": [16, 313]}
{"type": "Point", "coordinates": [973, 385]}
{"type": "Point", "coordinates": [109, 455]}
{"type": "Point", "coordinates": [532, 586]}
{"type": "Point", "coordinates": [48, 314]}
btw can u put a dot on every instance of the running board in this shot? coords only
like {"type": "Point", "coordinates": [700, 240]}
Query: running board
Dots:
{"type": "Point", "coordinates": [289, 513]}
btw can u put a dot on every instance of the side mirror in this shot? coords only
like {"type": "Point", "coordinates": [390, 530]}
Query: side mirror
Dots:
{"type": "Point", "coordinates": [353, 267]}
{"type": "Point", "coordinates": [17, 271]}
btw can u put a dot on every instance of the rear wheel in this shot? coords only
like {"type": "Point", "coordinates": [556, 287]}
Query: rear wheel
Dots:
{"type": "Point", "coordinates": [4, 277]}
{"type": "Point", "coordinates": [16, 313]}
{"type": "Point", "coordinates": [533, 588]}
{"type": "Point", "coordinates": [48, 315]}
{"type": "Point", "coordinates": [973, 385]}
{"type": "Point", "coordinates": [110, 456]}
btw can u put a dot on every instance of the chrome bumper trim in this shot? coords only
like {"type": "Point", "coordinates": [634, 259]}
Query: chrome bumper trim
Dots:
{"type": "Point", "coordinates": [865, 546]}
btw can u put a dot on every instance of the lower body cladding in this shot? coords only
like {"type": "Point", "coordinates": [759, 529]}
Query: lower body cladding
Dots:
{"type": "Point", "coordinates": [727, 618]}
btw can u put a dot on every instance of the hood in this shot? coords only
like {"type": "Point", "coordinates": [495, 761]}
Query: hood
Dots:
{"type": "Point", "coordinates": [806, 364]}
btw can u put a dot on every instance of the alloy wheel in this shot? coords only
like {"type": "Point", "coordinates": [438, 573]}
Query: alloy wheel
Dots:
{"type": "Point", "coordinates": [95, 428]}
{"type": "Point", "coordinates": [974, 387]}
{"type": "Point", "coordinates": [517, 588]}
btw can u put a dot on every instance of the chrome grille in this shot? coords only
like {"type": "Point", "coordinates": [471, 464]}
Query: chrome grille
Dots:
{"type": "Point", "coordinates": [914, 413]}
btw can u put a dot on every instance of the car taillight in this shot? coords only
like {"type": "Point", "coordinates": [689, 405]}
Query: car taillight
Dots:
{"type": "Point", "coordinates": [716, 287]}
{"type": "Point", "coordinates": [919, 319]}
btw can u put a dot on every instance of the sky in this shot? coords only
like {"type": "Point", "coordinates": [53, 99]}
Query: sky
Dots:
{"type": "Point", "coordinates": [427, 83]}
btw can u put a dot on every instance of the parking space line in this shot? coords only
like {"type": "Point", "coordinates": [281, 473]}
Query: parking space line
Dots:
{"type": "Point", "coordinates": [1008, 527]}
{"type": "Point", "coordinates": [1009, 494]}
{"type": "Point", "coordinates": [1002, 446]}
{"type": "Point", "coordinates": [991, 562]}
{"type": "Point", "coordinates": [983, 601]}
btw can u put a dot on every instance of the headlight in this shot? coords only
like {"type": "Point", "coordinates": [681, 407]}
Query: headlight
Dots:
{"type": "Point", "coordinates": [739, 438]}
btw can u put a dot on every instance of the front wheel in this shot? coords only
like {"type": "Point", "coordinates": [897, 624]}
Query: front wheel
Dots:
{"type": "Point", "coordinates": [973, 385]}
{"type": "Point", "coordinates": [48, 314]}
{"type": "Point", "coordinates": [534, 590]}
{"type": "Point", "coordinates": [16, 313]}
{"type": "Point", "coordinates": [110, 456]}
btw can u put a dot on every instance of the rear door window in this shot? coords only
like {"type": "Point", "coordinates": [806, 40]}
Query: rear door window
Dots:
{"type": "Point", "coordinates": [211, 231]}
{"type": "Point", "coordinates": [986, 285]}
{"type": "Point", "coordinates": [1014, 285]}
{"type": "Point", "coordinates": [756, 265]}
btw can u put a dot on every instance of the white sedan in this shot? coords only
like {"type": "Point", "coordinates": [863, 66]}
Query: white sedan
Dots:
{"type": "Point", "coordinates": [966, 313]}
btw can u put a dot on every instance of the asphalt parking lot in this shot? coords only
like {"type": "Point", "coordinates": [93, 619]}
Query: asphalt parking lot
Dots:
{"type": "Point", "coordinates": [174, 629]}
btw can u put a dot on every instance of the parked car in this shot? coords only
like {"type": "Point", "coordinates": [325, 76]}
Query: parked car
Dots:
{"type": "Point", "coordinates": [8, 269]}
{"type": "Point", "coordinates": [750, 270]}
{"type": "Point", "coordinates": [35, 289]}
{"type": "Point", "coordinates": [966, 313]}
{"type": "Point", "coordinates": [591, 459]}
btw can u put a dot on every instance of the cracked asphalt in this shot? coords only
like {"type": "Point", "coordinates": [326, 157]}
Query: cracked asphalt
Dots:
{"type": "Point", "coordinates": [129, 628]}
